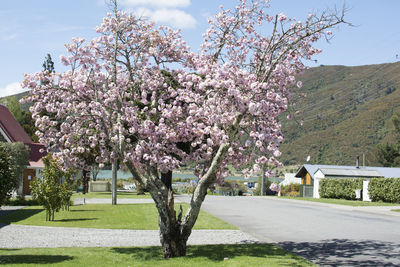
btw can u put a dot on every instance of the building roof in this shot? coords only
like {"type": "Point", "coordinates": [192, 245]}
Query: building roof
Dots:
{"type": "Point", "coordinates": [12, 132]}
{"type": "Point", "coordinates": [10, 127]}
{"type": "Point", "coordinates": [37, 151]}
{"type": "Point", "coordinates": [383, 171]}
{"type": "Point", "coordinates": [350, 172]}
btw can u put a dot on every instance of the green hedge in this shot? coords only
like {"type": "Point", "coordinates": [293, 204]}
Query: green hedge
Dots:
{"type": "Point", "coordinates": [384, 189]}
{"type": "Point", "coordinates": [340, 188]}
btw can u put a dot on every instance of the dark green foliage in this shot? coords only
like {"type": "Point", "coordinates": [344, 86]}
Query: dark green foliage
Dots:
{"type": "Point", "coordinates": [343, 188]}
{"type": "Point", "coordinates": [13, 159]}
{"type": "Point", "coordinates": [6, 174]}
{"type": "Point", "coordinates": [388, 155]}
{"type": "Point", "coordinates": [384, 189]}
{"type": "Point", "coordinates": [51, 191]}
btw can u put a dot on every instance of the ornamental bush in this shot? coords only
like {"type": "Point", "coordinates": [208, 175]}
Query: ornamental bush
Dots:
{"type": "Point", "coordinates": [51, 191]}
{"type": "Point", "coordinates": [343, 188]}
{"type": "Point", "coordinates": [290, 190]}
{"type": "Point", "coordinates": [384, 189]}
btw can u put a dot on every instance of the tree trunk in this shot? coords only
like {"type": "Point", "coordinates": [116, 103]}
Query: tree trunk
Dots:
{"type": "Point", "coordinates": [173, 242]}
{"type": "Point", "coordinates": [173, 245]}
{"type": "Point", "coordinates": [114, 182]}
{"type": "Point", "coordinates": [173, 239]}
{"type": "Point", "coordinates": [85, 181]}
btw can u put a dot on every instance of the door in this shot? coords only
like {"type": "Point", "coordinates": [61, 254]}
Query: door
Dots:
{"type": "Point", "coordinates": [29, 176]}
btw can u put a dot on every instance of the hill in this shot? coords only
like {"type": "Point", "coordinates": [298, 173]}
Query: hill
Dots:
{"type": "Point", "coordinates": [346, 112]}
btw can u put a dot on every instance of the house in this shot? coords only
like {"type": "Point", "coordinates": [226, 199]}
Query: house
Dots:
{"type": "Point", "coordinates": [311, 175]}
{"type": "Point", "coordinates": [11, 131]}
{"type": "Point", "coordinates": [290, 178]}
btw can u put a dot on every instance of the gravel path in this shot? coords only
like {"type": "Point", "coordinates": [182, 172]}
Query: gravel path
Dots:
{"type": "Point", "coordinates": [21, 236]}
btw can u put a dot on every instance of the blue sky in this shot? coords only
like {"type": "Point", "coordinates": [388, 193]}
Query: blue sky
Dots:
{"type": "Point", "coordinates": [31, 29]}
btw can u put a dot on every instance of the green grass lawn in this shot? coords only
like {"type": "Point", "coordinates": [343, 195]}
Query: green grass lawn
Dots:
{"type": "Point", "coordinates": [106, 216]}
{"type": "Point", "coordinates": [108, 195]}
{"type": "Point", "coordinates": [396, 210]}
{"type": "Point", "coordinates": [342, 201]}
{"type": "Point", "coordinates": [204, 255]}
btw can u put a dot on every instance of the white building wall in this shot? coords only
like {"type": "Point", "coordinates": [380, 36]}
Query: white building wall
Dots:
{"type": "Point", "coordinates": [365, 194]}
{"type": "Point", "coordinates": [317, 177]}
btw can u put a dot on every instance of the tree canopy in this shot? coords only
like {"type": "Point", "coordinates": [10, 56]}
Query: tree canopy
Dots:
{"type": "Point", "coordinates": [138, 94]}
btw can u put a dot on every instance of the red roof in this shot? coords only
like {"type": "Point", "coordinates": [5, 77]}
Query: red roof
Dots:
{"type": "Point", "coordinates": [37, 151]}
{"type": "Point", "coordinates": [15, 133]}
{"type": "Point", "coordinates": [11, 128]}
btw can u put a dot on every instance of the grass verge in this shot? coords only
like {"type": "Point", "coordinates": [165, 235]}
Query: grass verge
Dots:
{"type": "Point", "coordinates": [342, 201]}
{"type": "Point", "coordinates": [106, 216]}
{"type": "Point", "coordinates": [204, 255]}
{"type": "Point", "coordinates": [108, 195]}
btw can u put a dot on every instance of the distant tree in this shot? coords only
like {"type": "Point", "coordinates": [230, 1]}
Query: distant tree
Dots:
{"type": "Point", "coordinates": [13, 159]}
{"type": "Point", "coordinates": [389, 154]}
{"type": "Point", "coordinates": [48, 64]}
{"type": "Point", "coordinates": [23, 117]}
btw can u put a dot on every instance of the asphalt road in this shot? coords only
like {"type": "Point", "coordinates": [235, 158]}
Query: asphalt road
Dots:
{"type": "Point", "coordinates": [328, 235]}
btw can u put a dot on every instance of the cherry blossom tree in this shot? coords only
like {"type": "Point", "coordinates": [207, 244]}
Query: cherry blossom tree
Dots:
{"type": "Point", "coordinates": [139, 95]}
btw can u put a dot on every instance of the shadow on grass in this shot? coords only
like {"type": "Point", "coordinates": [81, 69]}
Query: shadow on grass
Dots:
{"type": "Point", "coordinates": [76, 220]}
{"type": "Point", "coordinates": [212, 252]}
{"type": "Point", "coordinates": [18, 215]}
{"type": "Point", "coordinates": [345, 252]}
{"type": "Point", "coordinates": [83, 210]}
{"type": "Point", "coordinates": [33, 259]}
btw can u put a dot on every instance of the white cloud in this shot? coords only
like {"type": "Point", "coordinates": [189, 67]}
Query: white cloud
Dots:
{"type": "Point", "coordinates": [11, 89]}
{"type": "Point", "coordinates": [156, 3]}
{"type": "Point", "coordinates": [174, 17]}
{"type": "Point", "coordinates": [9, 37]}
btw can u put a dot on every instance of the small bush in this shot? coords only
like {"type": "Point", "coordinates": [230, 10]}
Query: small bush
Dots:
{"type": "Point", "coordinates": [343, 188]}
{"type": "Point", "coordinates": [384, 189]}
{"type": "Point", "coordinates": [290, 190]}
{"type": "Point", "coordinates": [20, 200]}
{"type": "Point", "coordinates": [120, 184]}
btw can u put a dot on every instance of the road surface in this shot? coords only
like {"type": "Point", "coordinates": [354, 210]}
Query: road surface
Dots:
{"type": "Point", "coordinates": [328, 235]}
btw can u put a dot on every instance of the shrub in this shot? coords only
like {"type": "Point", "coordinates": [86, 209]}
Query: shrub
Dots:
{"type": "Point", "coordinates": [13, 159]}
{"type": "Point", "coordinates": [20, 200]}
{"type": "Point", "coordinates": [6, 172]}
{"type": "Point", "coordinates": [343, 188]}
{"type": "Point", "coordinates": [290, 190]}
{"type": "Point", "coordinates": [50, 191]}
{"type": "Point", "coordinates": [384, 189]}
{"type": "Point", "coordinates": [120, 184]}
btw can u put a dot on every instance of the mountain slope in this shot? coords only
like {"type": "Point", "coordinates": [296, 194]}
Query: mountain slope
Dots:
{"type": "Point", "coordinates": [346, 112]}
